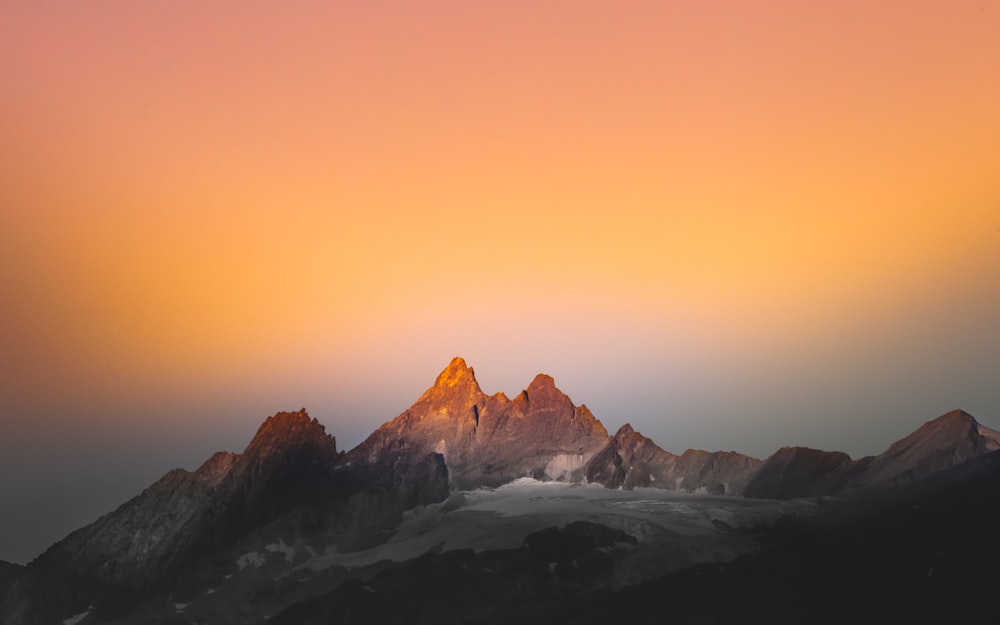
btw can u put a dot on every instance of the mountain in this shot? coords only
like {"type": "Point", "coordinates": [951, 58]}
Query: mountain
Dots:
{"type": "Point", "coordinates": [717, 472]}
{"type": "Point", "coordinates": [489, 440]}
{"type": "Point", "coordinates": [287, 464]}
{"type": "Point", "coordinates": [801, 472]}
{"type": "Point", "coordinates": [187, 515]}
{"type": "Point", "coordinates": [292, 524]}
{"type": "Point", "coordinates": [285, 483]}
{"type": "Point", "coordinates": [631, 460]}
{"type": "Point", "coordinates": [940, 444]}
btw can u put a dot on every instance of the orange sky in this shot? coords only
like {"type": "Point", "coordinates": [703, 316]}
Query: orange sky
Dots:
{"type": "Point", "coordinates": [735, 224]}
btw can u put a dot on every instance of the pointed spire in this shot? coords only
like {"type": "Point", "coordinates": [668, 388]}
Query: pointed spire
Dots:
{"type": "Point", "coordinates": [542, 382]}
{"type": "Point", "coordinates": [454, 373]}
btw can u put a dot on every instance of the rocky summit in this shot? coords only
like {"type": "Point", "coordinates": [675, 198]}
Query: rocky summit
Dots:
{"type": "Point", "coordinates": [488, 440]}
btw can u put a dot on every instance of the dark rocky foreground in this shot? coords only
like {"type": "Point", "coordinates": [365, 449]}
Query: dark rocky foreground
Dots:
{"type": "Point", "coordinates": [926, 553]}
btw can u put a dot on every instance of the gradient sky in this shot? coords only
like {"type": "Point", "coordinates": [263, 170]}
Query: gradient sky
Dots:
{"type": "Point", "coordinates": [736, 225]}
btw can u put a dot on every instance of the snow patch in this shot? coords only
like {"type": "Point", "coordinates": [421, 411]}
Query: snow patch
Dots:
{"type": "Point", "coordinates": [180, 606]}
{"type": "Point", "coordinates": [281, 547]}
{"type": "Point", "coordinates": [992, 437]}
{"type": "Point", "coordinates": [562, 466]}
{"type": "Point", "coordinates": [253, 558]}
{"type": "Point", "coordinates": [73, 620]}
{"type": "Point", "coordinates": [665, 523]}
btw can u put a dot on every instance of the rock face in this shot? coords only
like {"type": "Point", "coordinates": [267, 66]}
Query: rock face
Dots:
{"type": "Point", "coordinates": [14, 603]}
{"type": "Point", "coordinates": [489, 440]}
{"type": "Point", "coordinates": [630, 460]}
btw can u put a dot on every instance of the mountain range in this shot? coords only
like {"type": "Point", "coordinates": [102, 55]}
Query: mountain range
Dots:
{"type": "Point", "coordinates": [252, 535]}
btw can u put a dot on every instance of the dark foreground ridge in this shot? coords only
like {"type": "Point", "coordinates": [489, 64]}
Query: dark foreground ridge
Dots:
{"type": "Point", "coordinates": [293, 530]}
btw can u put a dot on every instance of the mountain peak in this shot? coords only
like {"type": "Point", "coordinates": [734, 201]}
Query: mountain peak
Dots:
{"type": "Point", "coordinates": [286, 430]}
{"type": "Point", "coordinates": [287, 420]}
{"type": "Point", "coordinates": [541, 382]}
{"type": "Point", "coordinates": [956, 416]}
{"type": "Point", "coordinates": [456, 384]}
{"type": "Point", "coordinates": [938, 444]}
{"type": "Point", "coordinates": [952, 424]}
{"type": "Point", "coordinates": [625, 431]}
{"type": "Point", "coordinates": [455, 373]}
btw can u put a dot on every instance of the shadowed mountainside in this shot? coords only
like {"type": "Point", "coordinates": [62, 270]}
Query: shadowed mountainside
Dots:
{"type": "Point", "coordinates": [286, 477]}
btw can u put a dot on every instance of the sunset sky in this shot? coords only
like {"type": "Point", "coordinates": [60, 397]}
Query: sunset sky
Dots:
{"type": "Point", "coordinates": [736, 225]}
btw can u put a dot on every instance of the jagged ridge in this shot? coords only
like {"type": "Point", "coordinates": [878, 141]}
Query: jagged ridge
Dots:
{"type": "Point", "coordinates": [489, 440]}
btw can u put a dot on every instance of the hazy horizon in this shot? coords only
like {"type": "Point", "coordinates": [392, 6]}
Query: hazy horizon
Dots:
{"type": "Point", "coordinates": [733, 226]}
